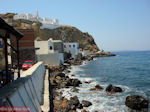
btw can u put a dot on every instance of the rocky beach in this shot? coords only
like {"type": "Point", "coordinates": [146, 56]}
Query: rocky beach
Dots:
{"type": "Point", "coordinates": [68, 91]}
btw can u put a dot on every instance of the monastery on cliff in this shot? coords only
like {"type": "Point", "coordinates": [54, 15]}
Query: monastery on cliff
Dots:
{"type": "Point", "coordinates": [46, 22]}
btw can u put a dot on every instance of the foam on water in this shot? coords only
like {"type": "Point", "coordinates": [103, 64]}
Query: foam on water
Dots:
{"type": "Point", "coordinates": [101, 102]}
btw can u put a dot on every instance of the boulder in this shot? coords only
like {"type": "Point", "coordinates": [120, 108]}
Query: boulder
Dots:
{"type": "Point", "coordinates": [88, 82]}
{"type": "Point", "coordinates": [74, 101]}
{"type": "Point", "coordinates": [80, 106]}
{"type": "Point", "coordinates": [64, 103]}
{"type": "Point", "coordinates": [86, 103]}
{"type": "Point", "coordinates": [76, 82]}
{"type": "Point", "coordinates": [63, 85]}
{"type": "Point", "coordinates": [58, 81]}
{"type": "Point", "coordinates": [113, 89]}
{"type": "Point", "coordinates": [83, 111]}
{"type": "Point", "coordinates": [53, 82]}
{"type": "Point", "coordinates": [60, 75]}
{"type": "Point", "coordinates": [73, 82]}
{"type": "Point", "coordinates": [97, 88]}
{"type": "Point", "coordinates": [74, 89]}
{"type": "Point", "coordinates": [137, 102]}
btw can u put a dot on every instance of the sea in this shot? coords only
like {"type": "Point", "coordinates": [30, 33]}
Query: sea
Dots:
{"type": "Point", "coordinates": [129, 70]}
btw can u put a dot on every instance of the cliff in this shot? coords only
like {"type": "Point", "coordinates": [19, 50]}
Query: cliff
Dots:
{"type": "Point", "coordinates": [64, 33]}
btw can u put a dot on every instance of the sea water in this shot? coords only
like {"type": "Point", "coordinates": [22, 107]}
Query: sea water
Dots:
{"type": "Point", "coordinates": [128, 70]}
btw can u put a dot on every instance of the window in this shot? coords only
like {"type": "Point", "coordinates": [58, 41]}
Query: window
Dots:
{"type": "Point", "coordinates": [73, 45]}
{"type": "Point", "coordinates": [50, 48]}
{"type": "Point", "coordinates": [69, 45]}
{"type": "Point", "coordinates": [64, 46]}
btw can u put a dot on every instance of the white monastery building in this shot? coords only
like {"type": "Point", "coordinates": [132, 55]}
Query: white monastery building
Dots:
{"type": "Point", "coordinates": [46, 22]}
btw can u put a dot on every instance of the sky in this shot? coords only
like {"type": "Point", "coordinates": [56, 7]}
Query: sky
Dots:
{"type": "Point", "coordinates": [116, 25]}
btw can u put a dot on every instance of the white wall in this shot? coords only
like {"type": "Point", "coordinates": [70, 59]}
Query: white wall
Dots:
{"type": "Point", "coordinates": [43, 45]}
{"type": "Point", "coordinates": [46, 22]}
{"type": "Point", "coordinates": [54, 59]}
{"type": "Point", "coordinates": [26, 91]}
{"type": "Point", "coordinates": [73, 48]}
{"type": "Point", "coordinates": [52, 45]}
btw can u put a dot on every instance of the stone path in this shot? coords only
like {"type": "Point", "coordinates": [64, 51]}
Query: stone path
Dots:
{"type": "Point", "coordinates": [46, 106]}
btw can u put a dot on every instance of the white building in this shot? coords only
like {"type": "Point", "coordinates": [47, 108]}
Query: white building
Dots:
{"type": "Point", "coordinates": [50, 52]}
{"type": "Point", "coordinates": [72, 48]}
{"type": "Point", "coordinates": [46, 22]}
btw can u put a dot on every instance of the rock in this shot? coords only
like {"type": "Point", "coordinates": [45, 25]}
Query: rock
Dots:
{"type": "Point", "coordinates": [97, 88]}
{"type": "Point", "coordinates": [113, 89]}
{"type": "Point", "coordinates": [88, 82]}
{"type": "Point", "coordinates": [58, 81]}
{"type": "Point", "coordinates": [53, 82]}
{"type": "Point", "coordinates": [80, 106]}
{"type": "Point", "coordinates": [64, 103]}
{"type": "Point", "coordinates": [67, 71]}
{"type": "Point", "coordinates": [136, 102]}
{"type": "Point", "coordinates": [57, 102]}
{"type": "Point", "coordinates": [72, 111]}
{"type": "Point", "coordinates": [76, 82]}
{"type": "Point", "coordinates": [73, 82]}
{"type": "Point", "coordinates": [60, 75]}
{"type": "Point", "coordinates": [86, 103]}
{"type": "Point", "coordinates": [63, 85]}
{"type": "Point", "coordinates": [83, 111]}
{"type": "Point", "coordinates": [74, 101]}
{"type": "Point", "coordinates": [74, 89]}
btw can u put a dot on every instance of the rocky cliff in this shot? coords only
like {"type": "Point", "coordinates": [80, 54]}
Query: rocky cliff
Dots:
{"type": "Point", "coordinates": [64, 33]}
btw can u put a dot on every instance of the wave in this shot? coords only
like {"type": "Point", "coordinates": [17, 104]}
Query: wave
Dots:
{"type": "Point", "coordinates": [101, 102]}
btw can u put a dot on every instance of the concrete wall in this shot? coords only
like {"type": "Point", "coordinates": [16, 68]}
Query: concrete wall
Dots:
{"type": "Point", "coordinates": [51, 58]}
{"type": "Point", "coordinates": [26, 91]}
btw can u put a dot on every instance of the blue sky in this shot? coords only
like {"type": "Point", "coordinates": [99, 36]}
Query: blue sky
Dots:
{"type": "Point", "coordinates": [114, 24]}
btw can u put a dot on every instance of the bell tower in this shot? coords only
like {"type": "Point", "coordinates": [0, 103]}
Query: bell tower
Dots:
{"type": "Point", "coordinates": [37, 15]}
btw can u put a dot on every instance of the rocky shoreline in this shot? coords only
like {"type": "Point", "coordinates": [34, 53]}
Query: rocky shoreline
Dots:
{"type": "Point", "coordinates": [59, 80]}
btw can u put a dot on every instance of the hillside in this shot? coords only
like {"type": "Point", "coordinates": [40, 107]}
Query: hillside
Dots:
{"type": "Point", "coordinates": [64, 33]}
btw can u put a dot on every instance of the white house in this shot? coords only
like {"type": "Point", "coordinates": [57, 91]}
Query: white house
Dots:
{"type": "Point", "coordinates": [50, 51]}
{"type": "Point", "coordinates": [72, 48]}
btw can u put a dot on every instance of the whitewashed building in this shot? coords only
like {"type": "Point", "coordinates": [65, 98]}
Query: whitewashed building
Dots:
{"type": "Point", "coordinates": [72, 48]}
{"type": "Point", "coordinates": [50, 51]}
{"type": "Point", "coordinates": [46, 22]}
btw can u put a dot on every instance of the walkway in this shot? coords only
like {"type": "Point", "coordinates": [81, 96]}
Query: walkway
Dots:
{"type": "Point", "coordinates": [46, 106]}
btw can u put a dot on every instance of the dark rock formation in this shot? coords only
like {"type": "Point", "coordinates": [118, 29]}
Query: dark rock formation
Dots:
{"type": "Point", "coordinates": [74, 89]}
{"type": "Point", "coordinates": [73, 82]}
{"type": "Point", "coordinates": [60, 75]}
{"type": "Point", "coordinates": [97, 88]}
{"type": "Point", "coordinates": [136, 102]}
{"type": "Point", "coordinates": [74, 101]}
{"type": "Point", "coordinates": [113, 89]}
{"type": "Point", "coordinates": [86, 103]}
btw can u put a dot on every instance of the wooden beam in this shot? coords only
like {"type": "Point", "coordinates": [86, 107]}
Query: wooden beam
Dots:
{"type": "Point", "coordinates": [17, 42]}
{"type": "Point", "coordinates": [6, 58]}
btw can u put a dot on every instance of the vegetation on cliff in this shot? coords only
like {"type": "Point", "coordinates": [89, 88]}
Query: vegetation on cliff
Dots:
{"type": "Point", "coordinates": [64, 33]}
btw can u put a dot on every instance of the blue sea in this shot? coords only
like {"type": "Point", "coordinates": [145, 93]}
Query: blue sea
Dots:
{"type": "Point", "coordinates": [128, 70]}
